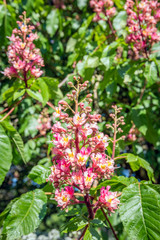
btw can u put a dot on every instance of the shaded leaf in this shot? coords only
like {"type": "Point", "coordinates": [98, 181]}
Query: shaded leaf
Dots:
{"type": "Point", "coordinates": [137, 162]}
{"type": "Point", "coordinates": [5, 154]}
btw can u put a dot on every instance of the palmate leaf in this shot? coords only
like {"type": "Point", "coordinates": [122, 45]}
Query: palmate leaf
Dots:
{"type": "Point", "coordinates": [5, 154]}
{"type": "Point", "coordinates": [25, 215]}
{"type": "Point", "coordinates": [140, 212]}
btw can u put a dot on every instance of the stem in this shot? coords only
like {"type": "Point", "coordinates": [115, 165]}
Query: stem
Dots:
{"type": "Point", "coordinates": [83, 233]}
{"type": "Point", "coordinates": [77, 140]}
{"type": "Point", "coordinates": [51, 105]}
{"type": "Point", "coordinates": [89, 207]}
{"type": "Point", "coordinates": [121, 157]}
{"type": "Point", "coordinates": [109, 224]}
{"type": "Point", "coordinates": [12, 109]}
{"type": "Point", "coordinates": [114, 138]}
{"type": "Point", "coordinates": [4, 110]}
{"type": "Point", "coordinates": [142, 92]}
{"type": "Point", "coordinates": [25, 79]}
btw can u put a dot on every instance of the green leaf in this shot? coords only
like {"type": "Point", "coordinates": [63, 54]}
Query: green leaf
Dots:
{"type": "Point", "coordinates": [35, 95]}
{"type": "Point", "coordinates": [81, 4]}
{"type": "Point", "coordinates": [117, 183]}
{"type": "Point", "coordinates": [52, 84]}
{"type": "Point", "coordinates": [26, 214]}
{"type": "Point", "coordinates": [88, 235]}
{"type": "Point", "coordinates": [151, 73]}
{"type": "Point", "coordinates": [120, 22]}
{"type": "Point", "coordinates": [107, 62]}
{"type": "Point", "coordinates": [2, 11]}
{"type": "Point", "coordinates": [92, 62]}
{"type": "Point", "coordinates": [15, 136]}
{"type": "Point", "coordinates": [137, 162]}
{"type": "Point", "coordinates": [71, 44]}
{"type": "Point", "coordinates": [18, 94]}
{"type": "Point", "coordinates": [5, 154]}
{"type": "Point", "coordinates": [140, 212]}
{"type": "Point", "coordinates": [44, 91]}
{"type": "Point", "coordinates": [39, 174]}
{"type": "Point", "coordinates": [145, 124]}
{"type": "Point", "coordinates": [74, 224]}
{"type": "Point", "coordinates": [6, 211]}
{"type": "Point", "coordinates": [52, 22]}
{"type": "Point", "coordinates": [19, 144]}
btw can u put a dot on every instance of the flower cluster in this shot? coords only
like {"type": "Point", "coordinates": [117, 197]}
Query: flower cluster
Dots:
{"type": "Point", "coordinates": [103, 7]}
{"type": "Point", "coordinates": [25, 60]}
{"type": "Point", "coordinates": [142, 19]}
{"type": "Point", "coordinates": [44, 122]}
{"type": "Point", "coordinates": [79, 152]}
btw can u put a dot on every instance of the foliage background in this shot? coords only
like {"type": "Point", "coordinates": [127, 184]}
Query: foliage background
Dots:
{"type": "Point", "coordinates": [71, 42]}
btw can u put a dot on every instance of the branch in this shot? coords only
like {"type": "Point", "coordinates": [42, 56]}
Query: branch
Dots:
{"type": "Point", "coordinates": [13, 108]}
{"type": "Point", "coordinates": [83, 233]}
{"type": "Point", "coordinates": [109, 224]}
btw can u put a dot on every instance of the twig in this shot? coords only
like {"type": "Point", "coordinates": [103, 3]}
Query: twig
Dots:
{"type": "Point", "coordinates": [142, 92]}
{"type": "Point", "coordinates": [115, 235]}
{"type": "Point", "coordinates": [4, 110]}
{"type": "Point", "coordinates": [83, 233]}
{"type": "Point", "coordinates": [120, 157]}
{"type": "Point", "coordinates": [51, 105]}
{"type": "Point", "coordinates": [48, 193]}
{"type": "Point", "coordinates": [64, 80]}
{"type": "Point", "coordinates": [114, 138]}
{"type": "Point", "coordinates": [13, 108]}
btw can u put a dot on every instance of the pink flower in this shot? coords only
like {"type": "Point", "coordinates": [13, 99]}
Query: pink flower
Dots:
{"type": "Point", "coordinates": [79, 120]}
{"type": "Point", "coordinates": [64, 197]}
{"type": "Point", "coordinates": [71, 154]}
{"type": "Point", "coordinates": [82, 156]}
{"type": "Point", "coordinates": [77, 178]}
{"type": "Point", "coordinates": [57, 112]}
{"type": "Point", "coordinates": [89, 177]}
{"type": "Point", "coordinates": [108, 199]}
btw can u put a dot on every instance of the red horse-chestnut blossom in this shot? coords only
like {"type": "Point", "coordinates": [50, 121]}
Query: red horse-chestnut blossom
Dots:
{"type": "Point", "coordinates": [102, 7]}
{"type": "Point", "coordinates": [79, 154]}
{"type": "Point", "coordinates": [142, 19]}
{"type": "Point", "coordinates": [25, 60]}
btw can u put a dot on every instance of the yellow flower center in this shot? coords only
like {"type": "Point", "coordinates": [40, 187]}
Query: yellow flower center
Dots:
{"type": "Point", "coordinates": [103, 166]}
{"type": "Point", "coordinates": [88, 179]}
{"type": "Point", "coordinates": [71, 155]}
{"type": "Point", "coordinates": [58, 110]}
{"type": "Point", "coordinates": [65, 139]}
{"type": "Point", "coordinates": [64, 199]}
{"type": "Point", "coordinates": [81, 159]}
